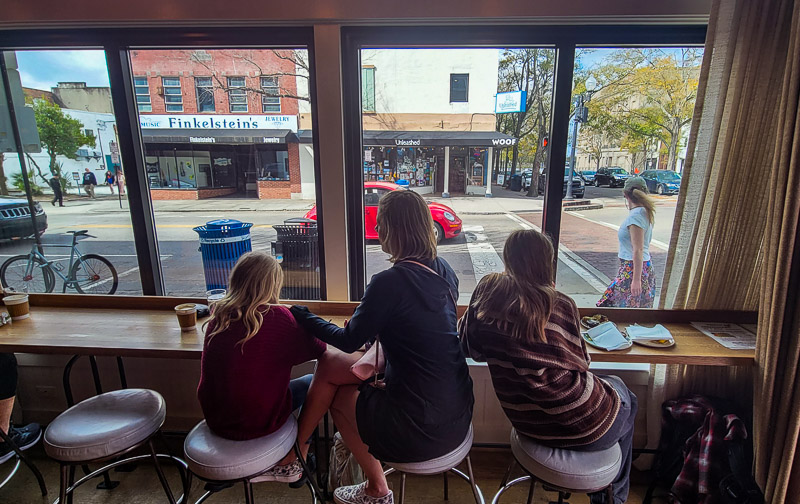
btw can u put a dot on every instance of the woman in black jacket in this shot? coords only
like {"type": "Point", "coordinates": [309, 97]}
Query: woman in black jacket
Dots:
{"type": "Point", "coordinates": [425, 409]}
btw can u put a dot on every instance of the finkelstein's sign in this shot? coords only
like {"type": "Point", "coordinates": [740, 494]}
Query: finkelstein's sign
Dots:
{"type": "Point", "coordinates": [218, 122]}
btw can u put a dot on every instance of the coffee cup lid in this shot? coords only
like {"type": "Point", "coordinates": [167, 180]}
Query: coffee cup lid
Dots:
{"type": "Point", "coordinates": [15, 299]}
{"type": "Point", "coordinates": [186, 307]}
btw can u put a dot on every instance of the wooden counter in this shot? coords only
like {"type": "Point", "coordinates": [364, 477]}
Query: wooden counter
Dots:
{"type": "Point", "coordinates": [148, 327]}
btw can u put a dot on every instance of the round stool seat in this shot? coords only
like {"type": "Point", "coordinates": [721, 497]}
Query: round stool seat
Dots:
{"type": "Point", "coordinates": [218, 459]}
{"type": "Point", "coordinates": [575, 471]}
{"type": "Point", "coordinates": [439, 464]}
{"type": "Point", "coordinates": [105, 425]}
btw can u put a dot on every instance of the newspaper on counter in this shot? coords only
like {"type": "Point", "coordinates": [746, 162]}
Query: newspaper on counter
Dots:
{"type": "Point", "coordinates": [733, 336]}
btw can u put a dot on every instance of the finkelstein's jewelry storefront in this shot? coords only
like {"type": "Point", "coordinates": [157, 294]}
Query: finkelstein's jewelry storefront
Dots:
{"type": "Point", "coordinates": [199, 157]}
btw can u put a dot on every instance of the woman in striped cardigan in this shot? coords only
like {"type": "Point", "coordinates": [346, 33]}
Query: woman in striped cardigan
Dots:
{"type": "Point", "coordinates": [529, 334]}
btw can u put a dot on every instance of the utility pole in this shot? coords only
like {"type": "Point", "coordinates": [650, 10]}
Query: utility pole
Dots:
{"type": "Point", "coordinates": [581, 115]}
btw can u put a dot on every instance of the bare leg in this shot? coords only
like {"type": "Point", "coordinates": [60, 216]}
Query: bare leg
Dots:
{"type": "Point", "coordinates": [333, 371]}
{"type": "Point", "coordinates": [344, 416]}
{"type": "Point", "coordinates": [6, 406]}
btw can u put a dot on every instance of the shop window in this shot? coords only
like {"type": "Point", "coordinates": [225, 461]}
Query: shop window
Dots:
{"type": "Point", "coordinates": [237, 94]}
{"type": "Point", "coordinates": [173, 98]}
{"type": "Point", "coordinates": [205, 94]}
{"type": "Point", "coordinates": [270, 95]}
{"type": "Point", "coordinates": [142, 90]}
{"type": "Point", "coordinates": [368, 89]}
{"type": "Point", "coordinates": [459, 88]}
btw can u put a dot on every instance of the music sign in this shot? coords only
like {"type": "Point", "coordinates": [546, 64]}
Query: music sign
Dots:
{"type": "Point", "coordinates": [513, 101]}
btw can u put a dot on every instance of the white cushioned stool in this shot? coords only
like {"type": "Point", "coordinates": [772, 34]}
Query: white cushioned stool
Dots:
{"type": "Point", "coordinates": [564, 471]}
{"type": "Point", "coordinates": [105, 427]}
{"type": "Point", "coordinates": [440, 465]}
{"type": "Point", "coordinates": [222, 461]}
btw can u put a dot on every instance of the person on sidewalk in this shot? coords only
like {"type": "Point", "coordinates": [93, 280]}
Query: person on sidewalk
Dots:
{"type": "Point", "coordinates": [110, 181]}
{"type": "Point", "coordinates": [55, 185]}
{"type": "Point", "coordinates": [89, 182]}
{"type": "Point", "coordinates": [23, 437]}
{"type": "Point", "coordinates": [121, 180]}
{"type": "Point", "coordinates": [530, 336]}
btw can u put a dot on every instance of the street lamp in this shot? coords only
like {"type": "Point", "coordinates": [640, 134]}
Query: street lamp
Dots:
{"type": "Point", "coordinates": [581, 115]}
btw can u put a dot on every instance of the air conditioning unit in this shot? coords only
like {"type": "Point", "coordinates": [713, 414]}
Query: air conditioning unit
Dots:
{"type": "Point", "coordinates": [84, 153]}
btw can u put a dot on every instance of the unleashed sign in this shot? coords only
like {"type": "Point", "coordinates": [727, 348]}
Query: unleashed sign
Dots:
{"type": "Point", "coordinates": [218, 122]}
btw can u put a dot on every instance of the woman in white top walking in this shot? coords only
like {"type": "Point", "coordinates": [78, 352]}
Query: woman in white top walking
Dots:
{"type": "Point", "coordinates": [635, 284]}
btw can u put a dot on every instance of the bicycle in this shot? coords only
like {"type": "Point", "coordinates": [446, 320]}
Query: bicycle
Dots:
{"type": "Point", "coordinates": [33, 272]}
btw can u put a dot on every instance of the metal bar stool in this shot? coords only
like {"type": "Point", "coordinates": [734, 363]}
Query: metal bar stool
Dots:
{"type": "Point", "coordinates": [223, 462]}
{"type": "Point", "coordinates": [560, 470]}
{"type": "Point", "coordinates": [441, 465]}
{"type": "Point", "coordinates": [105, 427]}
{"type": "Point", "coordinates": [20, 457]}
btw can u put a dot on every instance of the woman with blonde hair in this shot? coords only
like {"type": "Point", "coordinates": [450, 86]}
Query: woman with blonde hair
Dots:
{"type": "Point", "coordinates": [635, 284]}
{"type": "Point", "coordinates": [251, 344]}
{"type": "Point", "coordinates": [529, 334]}
{"type": "Point", "coordinates": [424, 410]}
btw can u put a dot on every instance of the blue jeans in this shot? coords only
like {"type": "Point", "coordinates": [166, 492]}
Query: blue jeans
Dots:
{"type": "Point", "coordinates": [299, 389]}
{"type": "Point", "coordinates": [621, 432]}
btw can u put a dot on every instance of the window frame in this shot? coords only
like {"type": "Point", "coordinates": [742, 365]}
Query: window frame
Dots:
{"type": "Point", "coordinates": [454, 77]}
{"type": "Point", "coordinates": [177, 104]}
{"type": "Point", "coordinates": [370, 69]}
{"type": "Point", "coordinates": [137, 87]}
{"type": "Point", "coordinates": [240, 92]}
{"type": "Point", "coordinates": [265, 97]}
{"type": "Point", "coordinates": [563, 38]}
{"type": "Point", "coordinates": [208, 90]}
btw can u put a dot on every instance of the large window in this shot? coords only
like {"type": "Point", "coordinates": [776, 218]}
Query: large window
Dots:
{"type": "Point", "coordinates": [142, 90]}
{"type": "Point", "coordinates": [368, 89]}
{"type": "Point", "coordinates": [82, 239]}
{"type": "Point", "coordinates": [204, 87]}
{"type": "Point", "coordinates": [173, 97]}
{"type": "Point", "coordinates": [237, 94]}
{"type": "Point", "coordinates": [270, 95]}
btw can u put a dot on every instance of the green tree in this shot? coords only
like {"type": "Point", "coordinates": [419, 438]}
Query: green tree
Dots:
{"type": "Point", "coordinates": [59, 134]}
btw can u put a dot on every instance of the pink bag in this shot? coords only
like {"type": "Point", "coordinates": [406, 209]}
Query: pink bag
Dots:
{"type": "Point", "coordinates": [372, 363]}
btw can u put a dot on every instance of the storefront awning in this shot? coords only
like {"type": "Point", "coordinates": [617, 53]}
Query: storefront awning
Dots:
{"type": "Point", "coordinates": [430, 138]}
{"type": "Point", "coordinates": [218, 136]}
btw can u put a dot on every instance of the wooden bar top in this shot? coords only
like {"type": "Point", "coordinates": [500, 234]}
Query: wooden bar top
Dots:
{"type": "Point", "coordinates": [148, 327]}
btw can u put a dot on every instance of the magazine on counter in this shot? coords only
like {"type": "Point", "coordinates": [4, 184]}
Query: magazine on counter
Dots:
{"type": "Point", "coordinates": [733, 336]}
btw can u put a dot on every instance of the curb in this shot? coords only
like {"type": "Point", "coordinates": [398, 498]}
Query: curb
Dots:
{"type": "Point", "coordinates": [595, 206]}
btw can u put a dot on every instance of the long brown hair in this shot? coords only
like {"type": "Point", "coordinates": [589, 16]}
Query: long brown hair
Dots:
{"type": "Point", "coordinates": [520, 299]}
{"type": "Point", "coordinates": [255, 283]}
{"type": "Point", "coordinates": [405, 226]}
{"type": "Point", "coordinates": [643, 199]}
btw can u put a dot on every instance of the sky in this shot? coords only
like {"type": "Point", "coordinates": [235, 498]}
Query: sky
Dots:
{"type": "Point", "coordinates": [45, 69]}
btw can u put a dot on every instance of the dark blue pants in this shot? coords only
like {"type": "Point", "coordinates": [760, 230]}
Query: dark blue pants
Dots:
{"type": "Point", "coordinates": [299, 389]}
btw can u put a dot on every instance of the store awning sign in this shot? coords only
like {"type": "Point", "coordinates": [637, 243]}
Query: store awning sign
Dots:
{"type": "Point", "coordinates": [218, 122]}
{"type": "Point", "coordinates": [507, 103]}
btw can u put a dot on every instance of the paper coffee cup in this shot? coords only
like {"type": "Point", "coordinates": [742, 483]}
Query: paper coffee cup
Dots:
{"type": "Point", "coordinates": [18, 306]}
{"type": "Point", "coordinates": [187, 316]}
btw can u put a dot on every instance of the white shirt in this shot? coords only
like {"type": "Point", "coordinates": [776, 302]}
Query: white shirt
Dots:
{"type": "Point", "coordinates": [636, 217]}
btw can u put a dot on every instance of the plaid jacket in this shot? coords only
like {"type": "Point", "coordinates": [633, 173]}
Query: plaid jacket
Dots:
{"type": "Point", "coordinates": [705, 454]}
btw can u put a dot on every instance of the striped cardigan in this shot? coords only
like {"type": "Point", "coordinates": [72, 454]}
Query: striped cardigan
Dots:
{"type": "Point", "coordinates": [546, 389]}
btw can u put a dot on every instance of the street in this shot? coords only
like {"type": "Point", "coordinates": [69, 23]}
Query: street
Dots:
{"type": "Point", "coordinates": [587, 252]}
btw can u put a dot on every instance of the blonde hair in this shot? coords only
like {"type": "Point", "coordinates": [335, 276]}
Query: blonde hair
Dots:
{"type": "Point", "coordinates": [642, 198]}
{"type": "Point", "coordinates": [405, 226]}
{"type": "Point", "coordinates": [522, 297]}
{"type": "Point", "coordinates": [255, 283]}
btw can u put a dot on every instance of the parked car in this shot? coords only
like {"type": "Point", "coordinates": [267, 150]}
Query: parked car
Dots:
{"type": "Point", "coordinates": [587, 176]}
{"type": "Point", "coordinates": [446, 223]}
{"type": "Point", "coordinates": [578, 187]}
{"type": "Point", "coordinates": [15, 218]}
{"type": "Point", "coordinates": [526, 180]}
{"type": "Point", "coordinates": [662, 181]}
{"type": "Point", "coordinates": [612, 176]}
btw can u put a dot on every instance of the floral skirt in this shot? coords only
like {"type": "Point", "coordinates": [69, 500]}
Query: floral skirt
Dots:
{"type": "Point", "coordinates": [618, 294]}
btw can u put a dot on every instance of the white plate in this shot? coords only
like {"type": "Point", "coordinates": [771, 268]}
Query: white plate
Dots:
{"type": "Point", "coordinates": [589, 341]}
{"type": "Point", "coordinates": [655, 343]}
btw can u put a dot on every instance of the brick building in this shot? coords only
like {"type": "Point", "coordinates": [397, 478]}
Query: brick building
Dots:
{"type": "Point", "coordinates": [219, 122]}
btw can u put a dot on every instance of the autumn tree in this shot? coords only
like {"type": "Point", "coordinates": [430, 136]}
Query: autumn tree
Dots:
{"type": "Point", "coordinates": [59, 134]}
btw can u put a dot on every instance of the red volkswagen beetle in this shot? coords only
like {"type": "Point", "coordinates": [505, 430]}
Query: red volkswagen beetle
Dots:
{"type": "Point", "coordinates": [446, 223]}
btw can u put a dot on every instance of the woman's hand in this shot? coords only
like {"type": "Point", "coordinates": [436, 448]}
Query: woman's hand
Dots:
{"type": "Point", "coordinates": [636, 286]}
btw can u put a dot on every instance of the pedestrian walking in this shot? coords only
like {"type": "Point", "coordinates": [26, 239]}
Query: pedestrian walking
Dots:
{"type": "Point", "coordinates": [89, 183]}
{"type": "Point", "coordinates": [121, 181]}
{"type": "Point", "coordinates": [110, 181]}
{"type": "Point", "coordinates": [55, 185]}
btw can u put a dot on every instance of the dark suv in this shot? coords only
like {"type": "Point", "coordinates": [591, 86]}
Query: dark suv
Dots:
{"type": "Point", "coordinates": [578, 187]}
{"type": "Point", "coordinates": [15, 218]}
{"type": "Point", "coordinates": [612, 176]}
{"type": "Point", "coordinates": [662, 181]}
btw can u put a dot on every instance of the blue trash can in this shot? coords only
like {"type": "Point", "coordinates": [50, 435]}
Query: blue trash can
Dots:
{"type": "Point", "coordinates": [222, 242]}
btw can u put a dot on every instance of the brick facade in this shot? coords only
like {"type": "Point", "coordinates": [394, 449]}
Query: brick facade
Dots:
{"type": "Point", "coordinates": [275, 189]}
{"type": "Point", "coordinates": [294, 167]}
{"type": "Point", "coordinates": [191, 194]}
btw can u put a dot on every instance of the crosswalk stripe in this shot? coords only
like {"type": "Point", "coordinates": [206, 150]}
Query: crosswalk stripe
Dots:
{"type": "Point", "coordinates": [483, 255]}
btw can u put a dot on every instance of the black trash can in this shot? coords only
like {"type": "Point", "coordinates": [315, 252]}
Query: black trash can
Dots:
{"type": "Point", "coordinates": [515, 183]}
{"type": "Point", "coordinates": [296, 248]}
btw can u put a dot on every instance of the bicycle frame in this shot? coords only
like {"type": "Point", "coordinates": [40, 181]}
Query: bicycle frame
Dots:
{"type": "Point", "coordinates": [74, 255]}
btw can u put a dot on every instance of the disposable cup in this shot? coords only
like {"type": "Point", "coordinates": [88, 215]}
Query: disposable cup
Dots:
{"type": "Point", "coordinates": [187, 316]}
{"type": "Point", "coordinates": [214, 295]}
{"type": "Point", "coordinates": [18, 306]}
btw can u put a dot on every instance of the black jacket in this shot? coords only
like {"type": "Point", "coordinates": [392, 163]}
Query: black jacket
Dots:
{"type": "Point", "coordinates": [89, 178]}
{"type": "Point", "coordinates": [426, 407]}
{"type": "Point", "coordinates": [55, 185]}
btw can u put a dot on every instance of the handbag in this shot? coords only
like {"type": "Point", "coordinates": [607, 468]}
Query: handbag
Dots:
{"type": "Point", "coordinates": [373, 363]}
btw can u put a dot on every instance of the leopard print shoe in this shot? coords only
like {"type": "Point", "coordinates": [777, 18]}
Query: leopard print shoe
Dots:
{"type": "Point", "coordinates": [356, 494]}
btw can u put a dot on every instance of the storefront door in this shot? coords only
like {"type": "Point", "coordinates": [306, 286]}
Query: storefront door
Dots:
{"type": "Point", "coordinates": [458, 175]}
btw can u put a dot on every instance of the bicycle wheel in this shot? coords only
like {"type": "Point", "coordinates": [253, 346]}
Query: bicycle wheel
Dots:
{"type": "Point", "coordinates": [94, 274]}
{"type": "Point", "coordinates": [16, 274]}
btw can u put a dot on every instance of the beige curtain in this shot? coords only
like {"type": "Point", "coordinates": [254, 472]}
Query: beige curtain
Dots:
{"type": "Point", "coordinates": [720, 249]}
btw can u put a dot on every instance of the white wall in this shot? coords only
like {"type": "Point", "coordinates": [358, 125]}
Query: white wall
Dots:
{"type": "Point", "coordinates": [308, 185]}
{"type": "Point", "coordinates": [409, 81]}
